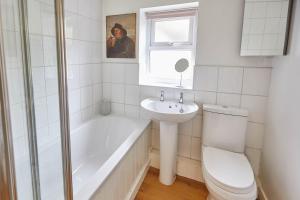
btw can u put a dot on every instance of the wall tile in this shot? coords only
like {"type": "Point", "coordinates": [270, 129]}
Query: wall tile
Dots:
{"type": "Point", "coordinates": [86, 97]}
{"type": "Point", "coordinates": [73, 77]}
{"type": "Point", "coordinates": [132, 95]}
{"type": "Point", "coordinates": [255, 135]}
{"type": "Point", "coordinates": [118, 108]}
{"type": "Point", "coordinates": [74, 101]}
{"type": "Point", "coordinates": [72, 51]}
{"type": "Point", "coordinates": [117, 73]}
{"type": "Point", "coordinates": [84, 52]}
{"type": "Point", "coordinates": [71, 5]}
{"type": "Point", "coordinates": [257, 81]}
{"type": "Point", "coordinates": [75, 120]}
{"type": "Point", "coordinates": [155, 138]}
{"type": "Point", "coordinates": [186, 128]}
{"type": "Point", "coordinates": [148, 91]}
{"type": "Point", "coordinates": [85, 75]}
{"type": "Point", "coordinates": [117, 93]}
{"type": "Point", "coordinates": [53, 108]}
{"type": "Point", "coordinates": [107, 91]}
{"type": "Point", "coordinates": [84, 24]}
{"type": "Point", "coordinates": [132, 74]}
{"type": "Point", "coordinates": [41, 113]}
{"type": "Point", "coordinates": [71, 25]}
{"type": "Point", "coordinates": [48, 19]}
{"type": "Point", "coordinates": [84, 7]}
{"type": "Point", "coordinates": [229, 99]}
{"type": "Point", "coordinates": [132, 111]}
{"type": "Point", "coordinates": [16, 86]}
{"type": "Point", "coordinates": [96, 71]}
{"type": "Point", "coordinates": [256, 106]}
{"type": "Point", "coordinates": [34, 17]}
{"type": "Point", "coordinates": [49, 44]}
{"type": "Point", "coordinates": [196, 149]}
{"type": "Point", "coordinates": [106, 75]}
{"type": "Point", "coordinates": [230, 79]}
{"type": "Point", "coordinates": [206, 78]}
{"type": "Point", "coordinates": [184, 145]}
{"type": "Point", "coordinates": [36, 49]}
{"type": "Point", "coordinates": [97, 93]}
{"type": "Point", "coordinates": [39, 84]}
{"type": "Point", "coordinates": [87, 114]}
{"type": "Point", "coordinates": [197, 126]}
{"type": "Point", "coordinates": [51, 80]}
{"type": "Point", "coordinates": [18, 121]}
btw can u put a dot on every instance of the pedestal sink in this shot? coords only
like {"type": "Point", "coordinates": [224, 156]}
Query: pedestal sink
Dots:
{"type": "Point", "coordinates": [169, 113]}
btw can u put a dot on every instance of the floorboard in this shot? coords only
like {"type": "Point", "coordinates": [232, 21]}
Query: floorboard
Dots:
{"type": "Point", "coordinates": [182, 189]}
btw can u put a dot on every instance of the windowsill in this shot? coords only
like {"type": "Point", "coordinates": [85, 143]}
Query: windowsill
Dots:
{"type": "Point", "coordinates": [165, 85]}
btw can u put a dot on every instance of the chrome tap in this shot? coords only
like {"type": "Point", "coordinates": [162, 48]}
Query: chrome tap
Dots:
{"type": "Point", "coordinates": [181, 98]}
{"type": "Point", "coordinates": [162, 95]}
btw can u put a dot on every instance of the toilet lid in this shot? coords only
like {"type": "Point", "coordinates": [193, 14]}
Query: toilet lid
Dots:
{"type": "Point", "coordinates": [228, 170]}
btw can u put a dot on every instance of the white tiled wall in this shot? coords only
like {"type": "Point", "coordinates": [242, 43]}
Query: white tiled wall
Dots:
{"type": "Point", "coordinates": [221, 76]}
{"type": "Point", "coordinates": [83, 24]}
{"type": "Point", "coordinates": [245, 87]}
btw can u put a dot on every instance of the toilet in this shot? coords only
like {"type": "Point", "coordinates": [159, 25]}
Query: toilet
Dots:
{"type": "Point", "coordinates": [226, 170]}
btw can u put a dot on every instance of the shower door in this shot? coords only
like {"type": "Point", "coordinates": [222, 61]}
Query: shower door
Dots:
{"type": "Point", "coordinates": [34, 112]}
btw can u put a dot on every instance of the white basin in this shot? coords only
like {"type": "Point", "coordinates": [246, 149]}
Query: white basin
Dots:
{"type": "Point", "coordinates": [169, 113]}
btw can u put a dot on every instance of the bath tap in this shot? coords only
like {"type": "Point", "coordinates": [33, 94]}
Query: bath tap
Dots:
{"type": "Point", "coordinates": [181, 98]}
{"type": "Point", "coordinates": [162, 95]}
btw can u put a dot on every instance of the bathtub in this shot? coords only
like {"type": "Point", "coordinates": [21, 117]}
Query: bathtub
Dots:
{"type": "Point", "coordinates": [109, 157]}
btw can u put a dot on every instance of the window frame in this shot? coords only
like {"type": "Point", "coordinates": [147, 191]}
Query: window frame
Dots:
{"type": "Point", "coordinates": [189, 45]}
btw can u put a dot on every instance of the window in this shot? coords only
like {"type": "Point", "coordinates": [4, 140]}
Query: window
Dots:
{"type": "Point", "coordinates": [170, 36]}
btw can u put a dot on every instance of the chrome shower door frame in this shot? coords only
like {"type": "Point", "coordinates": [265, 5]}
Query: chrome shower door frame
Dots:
{"type": "Point", "coordinates": [63, 98]}
{"type": "Point", "coordinates": [8, 189]}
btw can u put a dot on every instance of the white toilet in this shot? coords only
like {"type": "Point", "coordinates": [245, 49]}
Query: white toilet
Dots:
{"type": "Point", "coordinates": [227, 172]}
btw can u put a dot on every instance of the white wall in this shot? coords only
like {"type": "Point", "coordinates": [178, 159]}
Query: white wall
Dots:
{"type": "Point", "coordinates": [221, 77]}
{"type": "Point", "coordinates": [281, 162]}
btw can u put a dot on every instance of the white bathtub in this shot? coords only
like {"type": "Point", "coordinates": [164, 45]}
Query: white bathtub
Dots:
{"type": "Point", "coordinates": [100, 147]}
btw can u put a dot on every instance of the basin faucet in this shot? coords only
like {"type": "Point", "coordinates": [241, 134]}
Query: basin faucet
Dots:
{"type": "Point", "coordinates": [181, 98]}
{"type": "Point", "coordinates": [162, 95]}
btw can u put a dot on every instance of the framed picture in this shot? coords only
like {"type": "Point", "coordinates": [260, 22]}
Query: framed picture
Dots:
{"type": "Point", "coordinates": [121, 36]}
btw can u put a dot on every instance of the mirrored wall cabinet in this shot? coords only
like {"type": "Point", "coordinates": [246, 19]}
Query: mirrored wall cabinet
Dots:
{"type": "Point", "coordinates": [265, 27]}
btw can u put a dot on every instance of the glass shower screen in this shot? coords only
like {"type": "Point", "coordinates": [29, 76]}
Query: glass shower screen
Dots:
{"type": "Point", "coordinates": [31, 65]}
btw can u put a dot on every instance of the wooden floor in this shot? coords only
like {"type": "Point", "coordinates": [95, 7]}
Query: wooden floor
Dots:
{"type": "Point", "coordinates": [182, 189]}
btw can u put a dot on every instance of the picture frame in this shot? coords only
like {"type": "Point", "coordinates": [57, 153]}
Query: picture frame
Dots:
{"type": "Point", "coordinates": [121, 36]}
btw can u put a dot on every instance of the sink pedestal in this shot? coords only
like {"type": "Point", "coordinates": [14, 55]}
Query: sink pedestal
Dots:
{"type": "Point", "coordinates": [169, 113]}
{"type": "Point", "coordinates": [168, 152]}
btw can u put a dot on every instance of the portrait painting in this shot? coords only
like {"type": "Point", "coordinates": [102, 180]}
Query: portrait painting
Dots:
{"type": "Point", "coordinates": [121, 36]}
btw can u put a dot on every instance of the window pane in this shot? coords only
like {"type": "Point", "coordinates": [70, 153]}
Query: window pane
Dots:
{"type": "Point", "coordinates": [172, 30]}
{"type": "Point", "coordinates": [162, 63]}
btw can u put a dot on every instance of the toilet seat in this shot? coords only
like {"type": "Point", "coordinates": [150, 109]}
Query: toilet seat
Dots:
{"type": "Point", "coordinates": [231, 172]}
{"type": "Point", "coordinates": [217, 193]}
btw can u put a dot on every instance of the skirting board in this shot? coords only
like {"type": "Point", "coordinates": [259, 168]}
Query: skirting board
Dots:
{"type": "Point", "coordinates": [185, 167]}
{"type": "Point", "coordinates": [138, 181]}
{"type": "Point", "coordinates": [261, 192]}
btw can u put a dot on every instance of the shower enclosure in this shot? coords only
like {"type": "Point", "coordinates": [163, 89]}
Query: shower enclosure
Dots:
{"type": "Point", "coordinates": [35, 160]}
